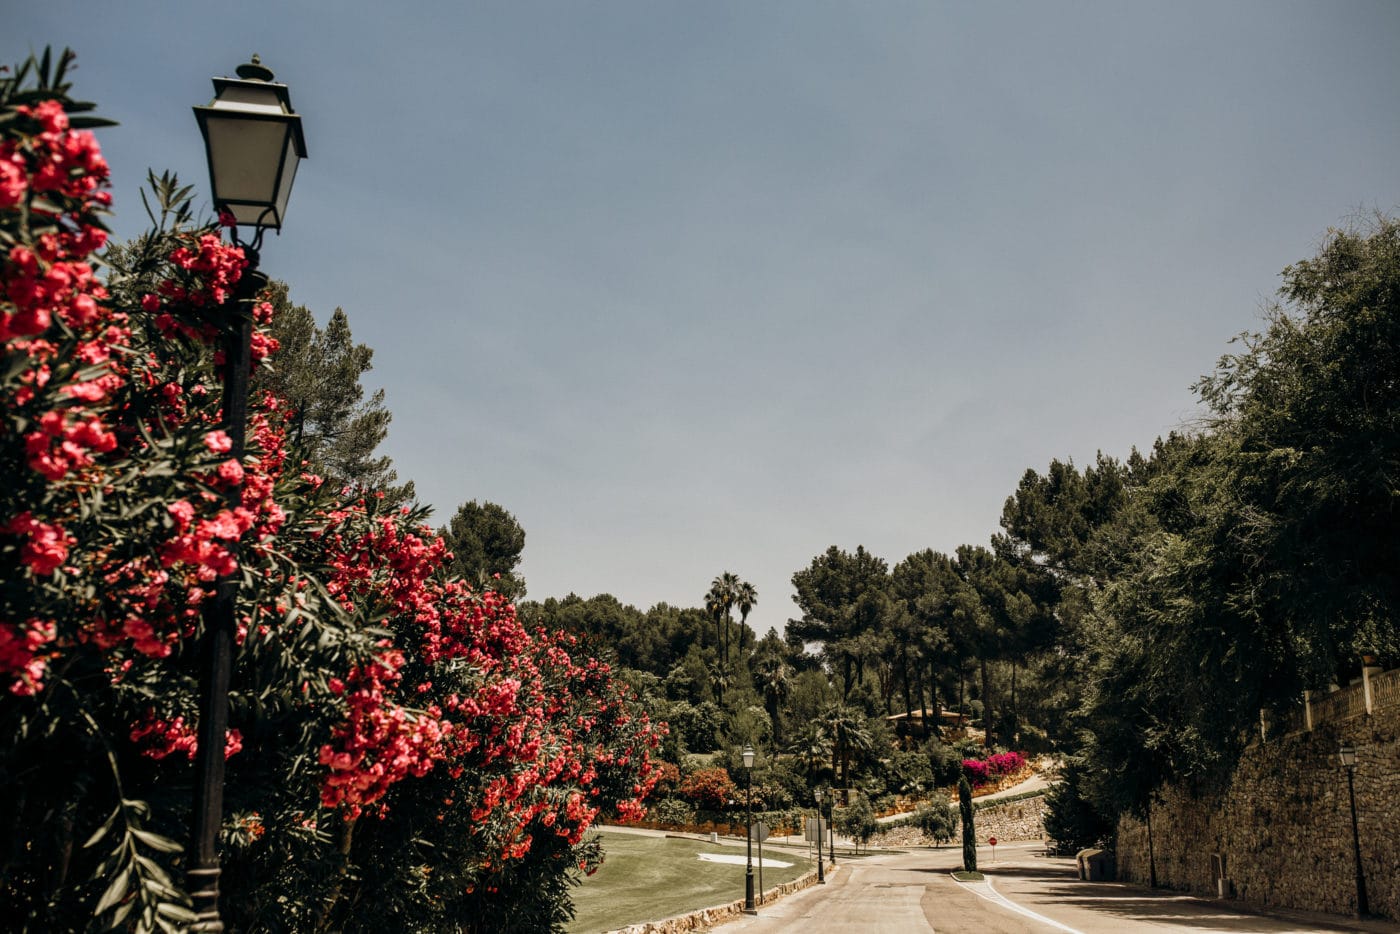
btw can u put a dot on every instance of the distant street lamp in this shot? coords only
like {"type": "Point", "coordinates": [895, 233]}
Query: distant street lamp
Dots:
{"type": "Point", "coordinates": [821, 875]}
{"type": "Point", "coordinates": [253, 140]}
{"type": "Point", "coordinates": [831, 825]}
{"type": "Point", "coordinates": [748, 755]}
{"type": "Point", "coordinates": [1347, 755]}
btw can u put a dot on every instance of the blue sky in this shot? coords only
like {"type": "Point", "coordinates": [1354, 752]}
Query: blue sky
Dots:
{"type": "Point", "coordinates": [693, 287]}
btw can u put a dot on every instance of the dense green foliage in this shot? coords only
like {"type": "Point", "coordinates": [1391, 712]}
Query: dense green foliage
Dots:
{"type": "Point", "coordinates": [486, 542]}
{"type": "Point", "coordinates": [1238, 566]}
{"type": "Point", "coordinates": [334, 427]}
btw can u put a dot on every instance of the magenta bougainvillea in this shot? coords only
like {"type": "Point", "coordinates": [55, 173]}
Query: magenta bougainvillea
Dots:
{"type": "Point", "coordinates": [994, 768]}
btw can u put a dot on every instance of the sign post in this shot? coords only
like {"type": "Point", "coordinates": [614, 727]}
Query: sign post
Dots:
{"type": "Point", "coordinates": [993, 842]}
{"type": "Point", "coordinates": [759, 832]}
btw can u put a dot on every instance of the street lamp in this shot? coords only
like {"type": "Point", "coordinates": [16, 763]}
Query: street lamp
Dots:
{"type": "Point", "coordinates": [748, 755]}
{"type": "Point", "coordinates": [253, 140]}
{"type": "Point", "coordinates": [821, 875]}
{"type": "Point", "coordinates": [1347, 755]}
{"type": "Point", "coordinates": [831, 826]}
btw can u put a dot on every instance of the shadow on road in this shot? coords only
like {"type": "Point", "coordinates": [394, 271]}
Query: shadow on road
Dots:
{"type": "Point", "coordinates": [1133, 903]}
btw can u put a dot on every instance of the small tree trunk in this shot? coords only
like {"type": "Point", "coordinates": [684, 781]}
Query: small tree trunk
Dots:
{"type": "Point", "coordinates": [962, 704]}
{"type": "Point", "coordinates": [347, 836]}
{"type": "Point", "coordinates": [904, 677]}
{"type": "Point", "coordinates": [1015, 714]}
{"type": "Point", "coordinates": [986, 706]}
{"type": "Point", "coordinates": [1151, 852]}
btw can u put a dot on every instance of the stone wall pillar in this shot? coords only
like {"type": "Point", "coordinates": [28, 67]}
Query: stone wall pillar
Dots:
{"type": "Point", "coordinates": [1367, 673]}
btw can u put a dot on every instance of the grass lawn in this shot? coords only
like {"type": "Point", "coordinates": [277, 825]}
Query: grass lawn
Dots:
{"type": "Point", "coordinates": [647, 878]}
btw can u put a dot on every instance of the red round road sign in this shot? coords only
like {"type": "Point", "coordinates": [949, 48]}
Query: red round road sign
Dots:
{"type": "Point", "coordinates": [992, 841]}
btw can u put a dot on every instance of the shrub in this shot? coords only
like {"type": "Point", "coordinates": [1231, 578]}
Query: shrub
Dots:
{"type": "Point", "coordinates": [1006, 763]}
{"type": "Point", "coordinates": [976, 771]}
{"type": "Point", "coordinates": [668, 778]}
{"type": "Point", "coordinates": [937, 820]}
{"type": "Point", "coordinates": [709, 789]}
{"type": "Point", "coordinates": [673, 811]}
{"type": "Point", "coordinates": [1071, 819]}
{"type": "Point", "coordinates": [985, 771]}
{"type": "Point", "coordinates": [857, 821]}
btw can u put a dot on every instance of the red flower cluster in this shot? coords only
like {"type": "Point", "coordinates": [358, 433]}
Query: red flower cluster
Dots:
{"type": "Point", "coordinates": [22, 654]}
{"type": "Point", "coordinates": [159, 738]}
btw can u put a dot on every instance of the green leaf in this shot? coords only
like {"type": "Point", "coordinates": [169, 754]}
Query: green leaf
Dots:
{"type": "Point", "coordinates": [102, 831]}
{"type": "Point", "coordinates": [120, 914]}
{"type": "Point", "coordinates": [90, 123]}
{"type": "Point", "coordinates": [156, 841]}
{"type": "Point", "coordinates": [117, 889]}
{"type": "Point", "coordinates": [176, 911]}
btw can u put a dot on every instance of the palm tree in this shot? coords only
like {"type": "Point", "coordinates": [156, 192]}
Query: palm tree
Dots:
{"type": "Point", "coordinates": [774, 681]}
{"type": "Point", "coordinates": [714, 605]}
{"type": "Point", "coordinates": [720, 602]}
{"type": "Point", "coordinates": [848, 733]}
{"type": "Point", "coordinates": [719, 680]}
{"type": "Point", "coordinates": [812, 747]}
{"type": "Point", "coordinates": [745, 596]}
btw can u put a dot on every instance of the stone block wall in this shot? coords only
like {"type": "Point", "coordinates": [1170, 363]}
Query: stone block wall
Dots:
{"type": "Point", "coordinates": [1023, 819]}
{"type": "Point", "coordinates": [1284, 825]}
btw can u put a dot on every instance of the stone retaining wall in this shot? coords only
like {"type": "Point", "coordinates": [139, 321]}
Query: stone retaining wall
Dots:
{"type": "Point", "coordinates": [1284, 825]}
{"type": "Point", "coordinates": [704, 918]}
{"type": "Point", "coordinates": [1023, 819]}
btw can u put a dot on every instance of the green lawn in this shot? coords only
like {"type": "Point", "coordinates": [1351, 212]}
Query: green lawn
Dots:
{"type": "Point", "coordinates": [647, 878]}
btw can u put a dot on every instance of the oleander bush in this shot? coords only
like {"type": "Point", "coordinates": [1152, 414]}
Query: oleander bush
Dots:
{"type": "Point", "coordinates": [402, 754]}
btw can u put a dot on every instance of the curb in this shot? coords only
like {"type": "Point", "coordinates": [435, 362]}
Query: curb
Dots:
{"type": "Point", "coordinates": [703, 918]}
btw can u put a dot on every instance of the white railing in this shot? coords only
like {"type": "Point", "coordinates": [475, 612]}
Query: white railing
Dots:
{"type": "Point", "coordinates": [1377, 689]}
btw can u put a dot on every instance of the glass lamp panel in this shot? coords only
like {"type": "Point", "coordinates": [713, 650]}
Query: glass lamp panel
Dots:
{"type": "Point", "coordinates": [289, 171]}
{"type": "Point", "coordinates": [244, 157]}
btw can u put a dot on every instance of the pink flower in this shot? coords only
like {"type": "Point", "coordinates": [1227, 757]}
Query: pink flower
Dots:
{"type": "Point", "coordinates": [219, 442]}
{"type": "Point", "coordinates": [47, 545]}
{"type": "Point", "coordinates": [12, 184]}
{"type": "Point", "coordinates": [231, 472]}
{"type": "Point", "coordinates": [183, 513]}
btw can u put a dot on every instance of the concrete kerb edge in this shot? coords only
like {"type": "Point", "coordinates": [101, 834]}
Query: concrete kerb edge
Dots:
{"type": "Point", "coordinates": [703, 918]}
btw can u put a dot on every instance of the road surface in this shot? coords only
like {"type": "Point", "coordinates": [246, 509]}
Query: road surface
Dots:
{"type": "Point", "coordinates": [1025, 893]}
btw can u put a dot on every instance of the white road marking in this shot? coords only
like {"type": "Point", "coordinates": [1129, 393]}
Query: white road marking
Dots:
{"type": "Point", "coordinates": [740, 860]}
{"type": "Point", "coordinates": [996, 898]}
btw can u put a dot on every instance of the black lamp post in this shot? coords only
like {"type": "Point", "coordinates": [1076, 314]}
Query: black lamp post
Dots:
{"type": "Point", "coordinates": [1347, 755]}
{"type": "Point", "coordinates": [748, 827]}
{"type": "Point", "coordinates": [253, 140]}
{"type": "Point", "coordinates": [831, 826]}
{"type": "Point", "coordinates": [821, 874]}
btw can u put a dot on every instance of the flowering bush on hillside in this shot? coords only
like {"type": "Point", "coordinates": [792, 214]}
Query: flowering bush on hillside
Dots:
{"type": "Point", "coordinates": [995, 767]}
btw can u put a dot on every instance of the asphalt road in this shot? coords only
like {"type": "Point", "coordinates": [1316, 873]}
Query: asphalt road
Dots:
{"type": "Point", "coordinates": [1025, 893]}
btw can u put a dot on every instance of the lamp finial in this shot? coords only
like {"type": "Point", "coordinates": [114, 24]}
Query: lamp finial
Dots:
{"type": "Point", "coordinates": [255, 70]}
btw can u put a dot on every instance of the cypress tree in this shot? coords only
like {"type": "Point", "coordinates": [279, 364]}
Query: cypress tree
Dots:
{"type": "Point", "coordinates": [969, 833]}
